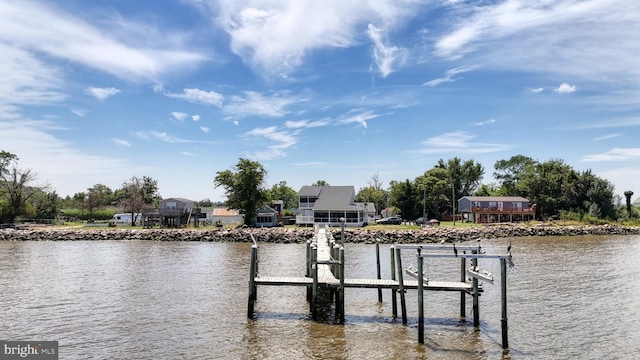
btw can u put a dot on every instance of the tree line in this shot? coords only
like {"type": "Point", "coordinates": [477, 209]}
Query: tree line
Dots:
{"type": "Point", "coordinates": [556, 188]}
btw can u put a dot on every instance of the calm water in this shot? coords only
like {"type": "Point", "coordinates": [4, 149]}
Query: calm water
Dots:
{"type": "Point", "coordinates": [569, 297]}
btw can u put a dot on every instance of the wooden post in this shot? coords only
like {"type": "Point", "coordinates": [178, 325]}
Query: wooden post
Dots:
{"type": "Point", "coordinates": [308, 273]}
{"type": "Point", "coordinates": [341, 320]}
{"type": "Point", "coordinates": [252, 281]}
{"type": "Point", "coordinates": [505, 336]}
{"type": "Point", "coordinates": [401, 290]}
{"type": "Point", "coordinates": [476, 293]}
{"type": "Point", "coordinates": [463, 278]}
{"type": "Point", "coordinates": [394, 300]}
{"type": "Point", "coordinates": [420, 299]}
{"type": "Point", "coordinates": [314, 270]}
{"type": "Point", "coordinates": [378, 268]}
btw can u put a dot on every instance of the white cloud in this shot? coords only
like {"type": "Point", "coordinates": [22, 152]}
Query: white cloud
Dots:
{"type": "Point", "coordinates": [121, 142]}
{"type": "Point", "coordinates": [252, 103]}
{"type": "Point", "coordinates": [197, 96]}
{"type": "Point", "coordinates": [606, 137]}
{"type": "Point", "coordinates": [552, 37]}
{"type": "Point", "coordinates": [180, 116]}
{"type": "Point", "coordinates": [616, 154]}
{"type": "Point", "coordinates": [79, 112]}
{"type": "Point", "coordinates": [195, 117]}
{"type": "Point", "coordinates": [565, 88]}
{"type": "Point", "coordinates": [46, 153]}
{"type": "Point", "coordinates": [537, 90]}
{"type": "Point", "coordinates": [487, 122]}
{"type": "Point", "coordinates": [305, 124]}
{"type": "Point", "coordinates": [39, 28]}
{"type": "Point", "coordinates": [449, 75]}
{"type": "Point", "coordinates": [276, 38]}
{"type": "Point", "coordinates": [102, 93]}
{"type": "Point", "coordinates": [204, 129]}
{"type": "Point", "coordinates": [360, 118]}
{"type": "Point", "coordinates": [458, 142]}
{"type": "Point", "coordinates": [283, 140]}
{"type": "Point", "coordinates": [384, 55]}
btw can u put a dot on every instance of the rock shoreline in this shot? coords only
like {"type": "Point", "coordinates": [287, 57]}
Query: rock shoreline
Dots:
{"type": "Point", "coordinates": [301, 235]}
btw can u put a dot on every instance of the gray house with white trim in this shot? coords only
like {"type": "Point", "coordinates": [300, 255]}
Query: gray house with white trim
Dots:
{"type": "Point", "coordinates": [327, 204]}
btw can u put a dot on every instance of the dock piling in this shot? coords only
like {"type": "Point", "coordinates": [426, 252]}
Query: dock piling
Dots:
{"type": "Point", "coordinates": [378, 269]}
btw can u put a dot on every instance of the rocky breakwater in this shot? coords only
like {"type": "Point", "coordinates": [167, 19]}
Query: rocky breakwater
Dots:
{"type": "Point", "coordinates": [455, 234]}
{"type": "Point", "coordinates": [389, 235]}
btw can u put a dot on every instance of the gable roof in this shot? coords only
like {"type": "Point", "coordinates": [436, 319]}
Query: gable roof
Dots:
{"type": "Point", "coordinates": [496, 198]}
{"type": "Point", "coordinates": [331, 197]}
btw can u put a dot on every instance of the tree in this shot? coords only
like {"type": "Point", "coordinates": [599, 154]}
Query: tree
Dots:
{"type": "Point", "coordinates": [205, 203]}
{"type": "Point", "coordinates": [17, 189]}
{"type": "Point", "coordinates": [320, 183]}
{"type": "Point", "coordinates": [403, 196]}
{"type": "Point", "coordinates": [98, 196]}
{"type": "Point", "coordinates": [511, 172]}
{"type": "Point", "coordinates": [281, 191]}
{"type": "Point", "coordinates": [45, 204]}
{"type": "Point", "coordinates": [466, 176]}
{"type": "Point", "coordinates": [6, 158]}
{"type": "Point", "coordinates": [628, 194]}
{"type": "Point", "coordinates": [434, 186]}
{"type": "Point", "coordinates": [138, 194]}
{"type": "Point", "coordinates": [244, 188]}
{"type": "Point", "coordinates": [374, 193]}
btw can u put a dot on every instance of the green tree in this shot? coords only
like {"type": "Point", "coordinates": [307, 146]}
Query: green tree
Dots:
{"type": "Point", "coordinates": [511, 172]}
{"type": "Point", "coordinates": [281, 191]}
{"type": "Point", "coordinates": [98, 196]}
{"type": "Point", "coordinates": [45, 204]}
{"type": "Point", "coordinates": [17, 189]}
{"type": "Point", "coordinates": [244, 188]}
{"type": "Point", "coordinates": [404, 196]}
{"type": "Point", "coordinates": [434, 188]}
{"type": "Point", "coordinates": [466, 176]}
{"type": "Point", "coordinates": [320, 183]}
{"type": "Point", "coordinates": [373, 193]}
{"type": "Point", "coordinates": [137, 193]}
{"type": "Point", "coordinates": [550, 185]}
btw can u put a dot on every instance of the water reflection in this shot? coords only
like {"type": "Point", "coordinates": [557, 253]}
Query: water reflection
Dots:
{"type": "Point", "coordinates": [568, 297]}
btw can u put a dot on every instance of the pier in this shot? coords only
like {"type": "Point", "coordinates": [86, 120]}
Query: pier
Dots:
{"type": "Point", "coordinates": [325, 279]}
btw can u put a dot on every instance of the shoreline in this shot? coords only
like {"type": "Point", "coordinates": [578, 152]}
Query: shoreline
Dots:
{"type": "Point", "coordinates": [301, 235]}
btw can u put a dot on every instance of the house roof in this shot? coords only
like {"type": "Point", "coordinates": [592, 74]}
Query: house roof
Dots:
{"type": "Point", "coordinates": [221, 211]}
{"type": "Point", "coordinates": [331, 197]}
{"type": "Point", "coordinates": [636, 202]}
{"type": "Point", "coordinates": [495, 198]}
{"type": "Point", "coordinates": [183, 200]}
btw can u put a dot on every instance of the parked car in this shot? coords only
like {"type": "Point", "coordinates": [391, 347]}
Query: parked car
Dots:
{"type": "Point", "coordinates": [393, 220]}
{"type": "Point", "coordinates": [420, 221]}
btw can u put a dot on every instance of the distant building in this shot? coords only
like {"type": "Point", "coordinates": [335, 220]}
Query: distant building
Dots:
{"type": "Point", "coordinates": [172, 212]}
{"type": "Point", "coordinates": [327, 204]}
{"type": "Point", "coordinates": [495, 209]}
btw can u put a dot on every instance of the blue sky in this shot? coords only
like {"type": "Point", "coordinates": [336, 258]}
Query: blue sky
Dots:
{"type": "Point", "coordinates": [100, 91]}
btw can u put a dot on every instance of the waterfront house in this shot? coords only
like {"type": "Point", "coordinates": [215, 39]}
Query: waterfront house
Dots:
{"type": "Point", "coordinates": [172, 212]}
{"type": "Point", "coordinates": [495, 209]}
{"type": "Point", "coordinates": [266, 216]}
{"type": "Point", "coordinates": [328, 204]}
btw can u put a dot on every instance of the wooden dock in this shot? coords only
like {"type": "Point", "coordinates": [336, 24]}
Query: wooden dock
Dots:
{"type": "Point", "coordinates": [325, 280]}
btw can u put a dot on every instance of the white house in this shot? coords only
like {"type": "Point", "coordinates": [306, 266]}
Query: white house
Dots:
{"type": "Point", "coordinates": [327, 204]}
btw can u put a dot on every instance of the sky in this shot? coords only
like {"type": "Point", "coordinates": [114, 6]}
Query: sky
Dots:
{"type": "Point", "coordinates": [96, 92]}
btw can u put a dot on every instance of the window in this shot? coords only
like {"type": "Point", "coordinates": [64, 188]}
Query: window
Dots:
{"type": "Point", "coordinates": [170, 205]}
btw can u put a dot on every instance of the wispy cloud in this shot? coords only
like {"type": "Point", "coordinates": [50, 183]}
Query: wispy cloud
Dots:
{"type": "Point", "coordinates": [102, 93]}
{"type": "Point", "coordinates": [459, 142]}
{"type": "Point", "coordinates": [121, 142]}
{"type": "Point", "coordinates": [164, 137]}
{"type": "Point", "coordinates": [450, 75]}
{"type": "Point", "coordinates": [195, 117]}
{"type": "Point", "coordinates": [360, 117]}
{"type": "Point", "coordinates": [606, 137]}
{"type": "Point", "coordinates": [40, 28]}
{"type": "Point", "coordinates": [252, 103]}
{"type": "Point", "coordinates": [552, 37]}
{"type": "Point", "coordinates": [615, 154]}
{"type": "Point", "coordinates": [79, 112]}
{"type": "Point", "coordinates": [384, 54]}
{"type": "Point", "coordinates": [204, 129]}
{"type": "Point", "coordinates": [283, 140]}
{"type": "Point", "coordinates": [180, 116]}
{"type": "Point", "coordinates": [197, 96]}
{"type": "Point", "coordinates": [487, 122]}
{"type": "Point", "coordinates": [537, 90]}
{"type": "Point", "coordinates": [275, 40]}
{"type": "Point", "coordinates": [305, 124]}
{"type": "Point", "coordinates": [565, 88]}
